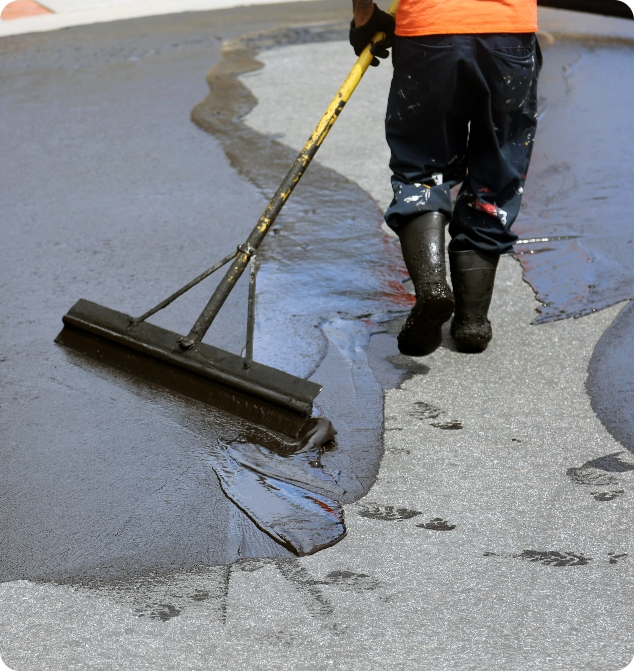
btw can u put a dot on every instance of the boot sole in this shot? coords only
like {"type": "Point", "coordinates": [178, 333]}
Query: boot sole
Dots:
{"type": "Point", "coordinates": [471, 343]}
{"type": "Point", "coordinates": [471, 347]}
{"type": "Point", "coordinates": [422, 333]}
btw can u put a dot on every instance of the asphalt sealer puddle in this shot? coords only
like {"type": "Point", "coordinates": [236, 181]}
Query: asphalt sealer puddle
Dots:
{"type": "Point", "coordinates": [291, 498]}
{"type": "Point", "coordinates": [574, 263]}
{"type": "Point", "coordinates": [293, 491]}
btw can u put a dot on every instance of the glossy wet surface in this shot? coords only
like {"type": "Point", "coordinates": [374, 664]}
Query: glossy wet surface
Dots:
{"type": "Point", "coordinates": [577, 207]}
{"type": "Point", "coordinates": [289, 509]}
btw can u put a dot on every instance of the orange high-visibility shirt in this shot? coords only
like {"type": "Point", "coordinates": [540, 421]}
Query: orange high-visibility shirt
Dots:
{"type": "Point", "coordinates": [452, 17]}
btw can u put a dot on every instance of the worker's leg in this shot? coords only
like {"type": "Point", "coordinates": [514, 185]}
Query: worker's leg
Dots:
{"type": "Point", "coordinates": [426, 129]}
{"type": "Point", "coordinates": [504, 84]}
{"type": "Point", "coordinates": [426, 125]}
{"type": "Point", "coordinates": [503, 123]}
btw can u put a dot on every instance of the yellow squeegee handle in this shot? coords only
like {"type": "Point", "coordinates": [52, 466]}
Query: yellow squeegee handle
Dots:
{"type": "Point", "coordinates": [282, 194]}
{"type": "Point", "coordinates": [347, 88]}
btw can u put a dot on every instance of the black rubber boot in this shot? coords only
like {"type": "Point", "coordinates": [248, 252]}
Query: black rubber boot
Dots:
{"type": "Point", "coordinates": [473, 277]}
{"type": "Point", "coordinates": [423, 246]}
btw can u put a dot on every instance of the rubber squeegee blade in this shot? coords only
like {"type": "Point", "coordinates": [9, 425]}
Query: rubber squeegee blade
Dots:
{"type": "Point", "coordinates": [261, 394]}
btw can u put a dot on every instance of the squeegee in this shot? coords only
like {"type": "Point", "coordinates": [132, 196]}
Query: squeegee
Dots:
{"type": "Point", "coordinates": [184, 364]}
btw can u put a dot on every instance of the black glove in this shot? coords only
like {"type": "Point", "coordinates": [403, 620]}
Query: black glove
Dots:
{"type": "Point", "coordinates": [379, 22]}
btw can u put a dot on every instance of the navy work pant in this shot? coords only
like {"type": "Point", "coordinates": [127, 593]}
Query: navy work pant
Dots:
{"type": "Point", "coordinates": [462, 108]}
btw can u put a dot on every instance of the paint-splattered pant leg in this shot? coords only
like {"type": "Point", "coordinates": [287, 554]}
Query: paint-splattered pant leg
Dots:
{"type": "Point", "coordinates": [426, 126]}
{"type": "Point", "coordinates": [462, 108]}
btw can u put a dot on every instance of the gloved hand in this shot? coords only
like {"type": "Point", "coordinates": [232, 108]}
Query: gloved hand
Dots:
{"type": "Point", "coordinates": [379, 22]}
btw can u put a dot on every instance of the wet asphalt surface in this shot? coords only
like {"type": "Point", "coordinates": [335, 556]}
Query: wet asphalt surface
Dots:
{"type": "Point", "coordinates": [577, 207]}
{"type": "Point", "coordinates": [316, 613]}
{"type": "Point", "coordinates": [125, 200]}
{"type": "Point", "coordinates": [107, 191]}
{"type": "Point", "coordinates": [110, 192]}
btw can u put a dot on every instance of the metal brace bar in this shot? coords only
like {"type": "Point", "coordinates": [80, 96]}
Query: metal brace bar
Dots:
{"type": "Point", "coordinates": [182, 290]}
{"type": "Point", "coordinates": [248, 355]}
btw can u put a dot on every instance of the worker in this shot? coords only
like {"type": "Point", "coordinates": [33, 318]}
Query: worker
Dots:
{"type": "Point", "coordinates": [462, 108]}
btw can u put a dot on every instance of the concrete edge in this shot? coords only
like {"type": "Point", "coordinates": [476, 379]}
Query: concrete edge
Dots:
{"type": "Point", "coordinates": [45, 23]}
{"type": "Point", "coordinates": [567, 24]}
